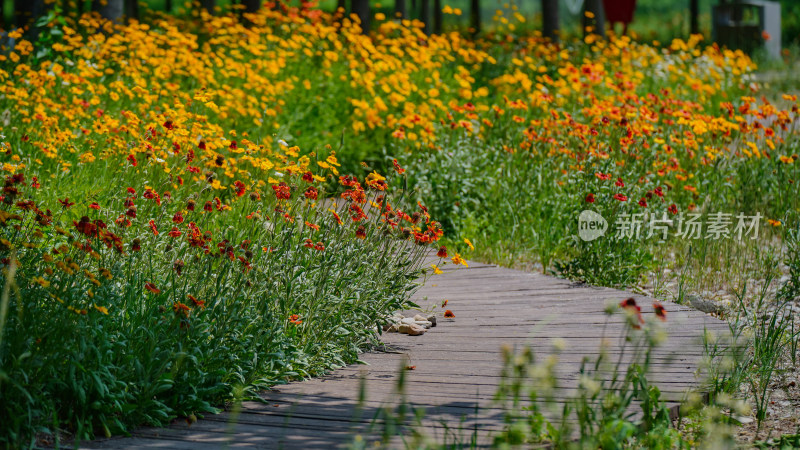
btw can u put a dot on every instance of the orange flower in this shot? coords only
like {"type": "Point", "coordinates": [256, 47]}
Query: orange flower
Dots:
{"type": "Point", "coordinates": [196, 302]}
{"type": "Point", "coordinates": [295, 319]}
{"type": "Point", "coordinates": [361, 232]}
{"type": "Point", "coordinates": [449, 314]}
{"type": "Point", "coordinates": [181, 309]}
{"type": "Point", "coordinates": [459, 260]}
{"type": "Point", "coordinates": [153, 228]}
{"type": "Point", "coordinates": [152, 288]}
{"type": "Point", "coordinates": [336, 216]}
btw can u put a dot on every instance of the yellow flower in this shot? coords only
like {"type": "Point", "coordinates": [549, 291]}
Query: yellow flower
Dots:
{"type": "Point", "coordinates": [436, 270]}
{"type": "Point", "coordinates": [471, 247]}
{"type": "Point", "coordinates": [102, 309]}
{"type": "Point", "coordinates": [786, 159]}
{"type": "Point", "coordinates": [774, 223]}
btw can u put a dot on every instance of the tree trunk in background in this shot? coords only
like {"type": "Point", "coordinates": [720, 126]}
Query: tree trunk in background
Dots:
{"type": "Point", "coordinates": [400, 9]}
{"type": "Point", "coordinates": [437, 16]}
{"type": "Point", "coordinates": [694, 11]}
{"type": "Point", "coordinates": [598, 22]}
{"type": "Point", "coordinates": [23, 13]}
{"type": "Point", "coordinates": [132, 9]}
{"type": "Point", "coordinates": [475, 16]}
{"type": "Point", "coordinates": [168, 6]}
{"type": "Point", "coordinates": [425, 15]}
{"type": "Point", "coordinates": [251, 6]}
{"type": "Point", "coordinates": [361, 9]}
{"type": "Point", "coordinates": [113, 10]}
{"type": "Point", "coordinates": [550, 19]}
{"type": "Point", "coordinates": [414, 9]}
{"type": "Point", "coordinates": [208, 5]}
{"type": "Point", "coordinates": [26, 12]}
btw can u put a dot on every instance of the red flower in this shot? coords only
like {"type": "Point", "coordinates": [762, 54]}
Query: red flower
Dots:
{"type": "Point", "coordinates": [131, 191]}
{"type": "Point", "coordinates": [132, 159]}
{"type": "Point", "coordinates": [397, 167]}
{"type": "Point", "coordinates": [308, 177]}
{"type": "Point", "coordinates": [153, 228]}
{"type": "Point", "coordinates": [319, 246]}
{"type": "Point", "coordinates": [122, 221]}
{"type": "Point", "coordinates": [590, 198]}
{"type": "Point", "coordinates": [619, 182]}
{"type": "Point", "coordinates": [673, 209]}
{"type": "Point", "coordinates": [449, 314]}
{"type": "Point", "coordinates": [152, 288]}
{"type": "Point", "coordinates": [661, 313]}
{"type": "Point", "coordinates": [295, 319]}
{"type": "Point", "coordinates": [361, 232]}
{"type": "Point", "coordinates": [309, 243]}
{"type": "Point", "coordinates": [442, 253]}
{"type": "Point", "coordinates": [208, 207]}
{"type": "Point", "coordinates": [35, 183]}
{"type": "Point", "coordinates": [175, 232]}
{"type": "Point", "coordinates": [620, 197]}
{"type": "Point", "coordinates": [643, 202]}
{"type": "Point", "coordinates": [630, 305]}
{"type": "Point", "coordinates": [85, 226]}
{"type": "Point", "coordinates": [66, 204]}
{"type": "Point", "coordinates": [94, 205]}
{"type": "Point", "coordinates": [356, 213]}
{"type": "Point", "coordinates": [603, 176]}
{"type": "Point", "coordinates": [177, 218]}
{"type": "Point", "coordinates": [311, 193]}
{"type": "Point", "coordinates": [357, 195]}
{"type": "Point", "coordinates": [240, 188]}
{"type": "Point", "coordinates": [282, 191]}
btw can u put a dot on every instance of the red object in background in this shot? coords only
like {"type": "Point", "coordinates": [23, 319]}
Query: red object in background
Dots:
{"type": "Point", "coordinates": [619, 10]}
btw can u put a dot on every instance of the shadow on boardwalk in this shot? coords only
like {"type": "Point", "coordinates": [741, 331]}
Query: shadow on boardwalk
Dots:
{"type": "Point", "coordinates": [456, 366]}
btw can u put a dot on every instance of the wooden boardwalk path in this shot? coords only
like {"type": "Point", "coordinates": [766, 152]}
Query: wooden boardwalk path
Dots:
{"type": "Point", "coordinates": [457, 363]}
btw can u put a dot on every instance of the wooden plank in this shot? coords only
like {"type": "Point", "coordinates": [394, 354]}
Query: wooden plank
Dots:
{"type": "Point", "coordinates": [457, 364]}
